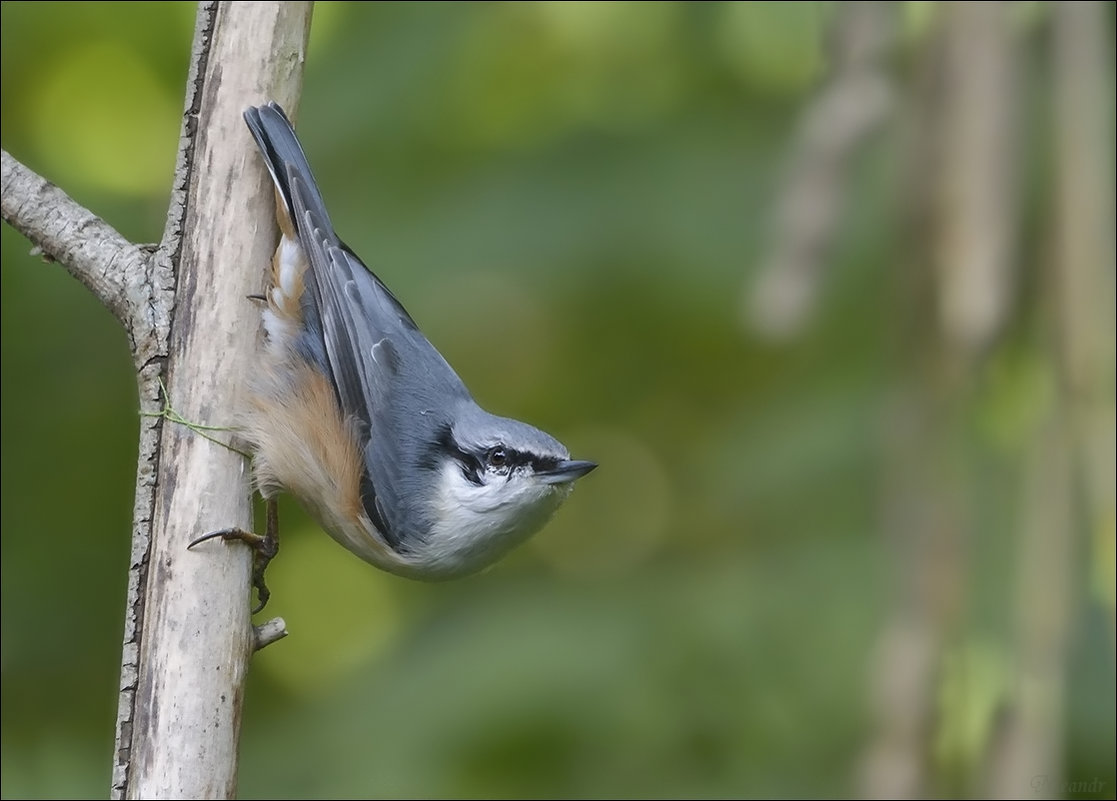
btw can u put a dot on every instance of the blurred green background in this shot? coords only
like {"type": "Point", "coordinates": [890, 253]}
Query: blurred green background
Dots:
{"type": "Point", "coordinates": [838, 546]}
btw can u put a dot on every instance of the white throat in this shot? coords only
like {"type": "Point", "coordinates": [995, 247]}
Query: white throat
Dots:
{"type": "Point", "coordinates": [474, 524]}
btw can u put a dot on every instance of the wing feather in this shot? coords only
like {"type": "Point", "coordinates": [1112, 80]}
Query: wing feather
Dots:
{"type": "Point", "coordinates": [385, 373]}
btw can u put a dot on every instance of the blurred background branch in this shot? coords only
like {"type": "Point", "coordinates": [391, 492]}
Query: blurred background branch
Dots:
{"type": "Point", "coordinates": [958, 187]}
{"type": "Point", "coordinates": [809, 206]}
{"type": "Point", "coordinates": [1067, 508]}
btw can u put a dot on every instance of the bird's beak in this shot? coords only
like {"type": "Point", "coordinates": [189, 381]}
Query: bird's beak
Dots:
{"type": "Point", "coordinates": [566, 471]}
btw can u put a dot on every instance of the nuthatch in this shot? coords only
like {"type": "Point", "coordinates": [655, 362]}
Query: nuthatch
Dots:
{"type": "Point", "coordinates": [356, 413]}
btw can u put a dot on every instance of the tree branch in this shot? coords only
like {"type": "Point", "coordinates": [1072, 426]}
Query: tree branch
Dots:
{"type": "Point", "coordinates": [187, 633]}
{"type": "Point", "coordinates": [266, 633]}
{"type": "Point", "coordinates": [179, 729]}
{"type": "Point", "coordinates": [88, 247]}
{"type": "Point", "coordinates": [857, 96]}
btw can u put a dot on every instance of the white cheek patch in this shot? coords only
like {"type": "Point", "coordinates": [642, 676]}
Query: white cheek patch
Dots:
{"type": "Point", "coordinates": [474, 524]}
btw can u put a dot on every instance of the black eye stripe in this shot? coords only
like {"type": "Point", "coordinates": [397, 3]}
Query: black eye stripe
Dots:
{"type": "Point", "coordinates": [444, 445]}
{"type": "Point", "coordinates": [474, 464]}
{"type": "Point", "coordinates": [471, 472]}
{"type": "Point", "coordinates": [514, 458]}
{"type": "Point", "coordinates": [544, 463]}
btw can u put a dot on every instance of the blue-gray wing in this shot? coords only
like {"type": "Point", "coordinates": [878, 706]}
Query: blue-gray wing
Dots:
{"type": "Point", "coordinates": [386, 375]}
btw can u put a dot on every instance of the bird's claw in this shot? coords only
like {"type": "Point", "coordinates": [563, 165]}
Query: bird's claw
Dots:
{"type": "Point", "coordinates": [264, 549]}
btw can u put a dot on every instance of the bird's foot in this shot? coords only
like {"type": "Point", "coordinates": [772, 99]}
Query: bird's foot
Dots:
{"type": "Point", "coordinates": [264, 549]}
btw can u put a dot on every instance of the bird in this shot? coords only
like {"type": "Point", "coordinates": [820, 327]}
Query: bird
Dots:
{"type": "Point", "coordinates": [353, 411]}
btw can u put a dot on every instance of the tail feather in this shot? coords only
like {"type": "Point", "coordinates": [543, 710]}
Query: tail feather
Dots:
{"type": "Point", "coordinates": [284, 158]}
{"type": "Point", "coordinates": [293, 318]}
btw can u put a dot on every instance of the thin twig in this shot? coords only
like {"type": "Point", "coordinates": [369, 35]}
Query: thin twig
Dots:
{"type": "Point", "coordinates": [267, 633]}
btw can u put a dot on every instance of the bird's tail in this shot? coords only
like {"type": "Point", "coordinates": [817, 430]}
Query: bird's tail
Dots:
{"type": "Point", "coordinates": [287, 163]}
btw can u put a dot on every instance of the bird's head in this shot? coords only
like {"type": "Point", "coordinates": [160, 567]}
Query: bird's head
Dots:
{"type": "Point", "coordinates": [497, 482]}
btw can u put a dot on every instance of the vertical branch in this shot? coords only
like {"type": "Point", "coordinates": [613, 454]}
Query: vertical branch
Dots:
{"type": "Point", "coordinates": [962, 229]}
{"type": "Point", "coordinates": [973, 211]}
{"type": "Point", "coordinates": [1027, 759]}
{"type": "Point", "coordinates": [1083, 270]}
{"type": "Point", "coordinates": [1079, 420]}
{"type": "Point", "coordinates": [188, 635]}
{"type": "Point", "coordinates": [150, 349]}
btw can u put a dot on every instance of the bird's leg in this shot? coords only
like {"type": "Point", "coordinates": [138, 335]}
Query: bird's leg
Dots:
{"type": "Point", "coordinates": [264, 548]}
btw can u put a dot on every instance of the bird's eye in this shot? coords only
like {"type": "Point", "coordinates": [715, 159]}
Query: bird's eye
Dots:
{"type": "Point", "coordinates": [498, 457]}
